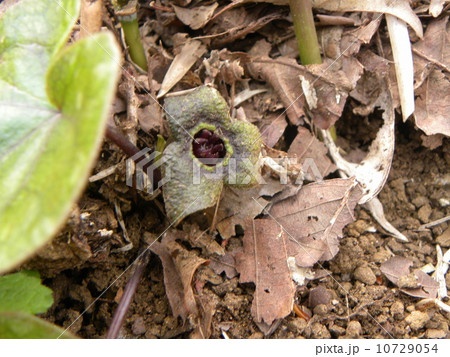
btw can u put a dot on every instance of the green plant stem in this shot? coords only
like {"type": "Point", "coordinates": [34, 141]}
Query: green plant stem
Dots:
{"type": "Point", "coordinates": [305, 31]}
{"type": "Point", "coordinates": [133, 40]}
{"type": "Point", "coordinates": [126, 12]}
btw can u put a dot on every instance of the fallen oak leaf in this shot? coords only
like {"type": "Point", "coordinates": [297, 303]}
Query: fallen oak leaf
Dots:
{"type": "Point", "coordinates": [296, 85]}
{"type": "Point", "coordinates": [307, 147]}
{"type": "Point", "coordinates": [315, 217]}
{"type": "Point", "coordinates": [179, 266]}
{"type": "Point", "coordinates": [192, 50]}
{"type": "Point", "coordinates": [196, 17]}
{"type": "Point", "coordinates": [263, 261]}
{"type": "Point", "coordinates": [417, 284]}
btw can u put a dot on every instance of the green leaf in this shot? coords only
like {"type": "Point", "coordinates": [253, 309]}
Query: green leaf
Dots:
{"type": "Point", "coordinates": [54, 105]}
{"type": "Point", "coordinates": [17, 324]}
{"type": "Point", "coordinates": [23, 291]}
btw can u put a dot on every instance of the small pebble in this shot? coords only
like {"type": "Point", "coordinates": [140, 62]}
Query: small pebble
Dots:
{"type": "Point", "coordinates": [420, 201]}
{"type": "Point", "coordinates": [417, 319]}
{"type": "Point", "coordinates": [256, 335]}
{"type": "Point", "coordinates": [297, 325]}
{"type": "Point", "coordinates": [138, 326]}
{"type": "Point", "coordinates": [434, 333]}
{"type": "Point", "coordinates": [337, 330]}
{"type": "Point", "coordinates": [354, 329]}
{"type": "Point", "coordinates": [424, 213]}
{"type": "Point", "coordinates": [444, 239]}
{"type": "Point", "coordinates": [365, 275]}
{"type": "Point", "coordinates": [397, 309]}
{"type": "Point", "coordinates": [381, 256]}
{"type": "Point", "coordinates": [319, 331]}
{"type": "Point", "coordinates": [321, 309]}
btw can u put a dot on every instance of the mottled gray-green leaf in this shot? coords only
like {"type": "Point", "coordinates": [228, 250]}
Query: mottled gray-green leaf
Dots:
{"type": "Point", "coordinates": [182, 194]}
{"type": "Point", "coordinates": [190, 185]}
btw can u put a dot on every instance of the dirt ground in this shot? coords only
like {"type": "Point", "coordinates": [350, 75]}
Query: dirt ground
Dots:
{"type": "Point", "coordinates": [105, 231]}
{"type": "Point", "coordinates": [372, 308]}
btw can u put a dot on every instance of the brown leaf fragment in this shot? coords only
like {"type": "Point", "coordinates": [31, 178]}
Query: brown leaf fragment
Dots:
{"type": "Point", "coordinates": [272, 128]}
{"type": "Point", "coordinates": [172, 281]}
{"type": "Point", "coordinates": [315, 217]}
{"type": "Point", "coordinates": [284, 79]}
{"type": "Point", "coordinates": [225, 263]}
{"type": "Point", "coordinates": [432, 141]}
{"type": "Point", "coordinates": [203, 323]}
{"type": "Point", "coordinates": [191, 51]}
{"type": "Point", "coordinates": [432, 78]}
{"type": "Point", "coordinates": [323, 88]}
{"type": "Point", "coordinates": [432, 104]}
{"type": "Point", "coordinates": [179, 266]}
{"type": "Point", "coordinates": [264, 262]}
{"type": "Point", "coordinates": [311, 154]}
{"type": "Point", "coordinates": [417, 284]}
{"type": "Point", "coordinates": [237, 207]}
{"type": "Point", "coordinates": [196, 17]}
{"type": "Point", "coordinates": [202, 239]}
{"type": "Point", "coordinates": [150, 118]}
{"type": "Point", "coordinates": [433, 48]}
{"type": "Point", "coordinates": [395, 267]}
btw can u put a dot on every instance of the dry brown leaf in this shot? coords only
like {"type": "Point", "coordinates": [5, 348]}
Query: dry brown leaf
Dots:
{"type": "Point", "coordinates": [432, 67]}
{"type": "Point", "coordinates": [150, 118]}
{"type": "Point", "coordinates": [179, 266]}
{"type": "Point", "coordinates": [432, 49]}
{"type": "Point", "coordinates": [196, 17]}
{"type": "Point", "coordinates": [202, 239]}
{"type": "Point", "coordinates": [432, 104]}
{"type": "Point", "coordinates": [272, 128]}
{"type": "Point", "coordinates": [224, 264]}
{"type": "Point", "coordinates": [264, 262]}
{"type": "Point", "coordinates": [436, 7]}
{"type": "Point", "coordinates": [307, 147]}
{"type": "Point", "coordinates": [418, 283]}
{"type": "Point", "coordinates": [370, 85]}
{"type": "Point", "coordinates": [236, 208]}
{"type": "Point", "coordinates": [296, 85]}
{"type": "Point", "coordinates": [191, 51]}
{"type": "Point", "coordinates": [315, 217]}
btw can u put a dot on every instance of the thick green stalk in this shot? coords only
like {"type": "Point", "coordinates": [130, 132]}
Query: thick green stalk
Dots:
{"type": "Point", "coordinates": [305, 31]}
{"type": "Point", "coordinates": [126, 12]}
{"type": "Point", "coordinates": [133, 40]}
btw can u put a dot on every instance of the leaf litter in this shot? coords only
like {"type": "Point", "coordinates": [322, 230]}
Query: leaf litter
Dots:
{"type": "Point", "coordinates": [287, 229]}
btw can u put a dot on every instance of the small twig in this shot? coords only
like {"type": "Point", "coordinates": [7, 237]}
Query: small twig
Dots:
{"type": "Point", "coordinates": [127, 297]}
{"type": "Point", "coordinates": [214, 221]}
{"type": "Point", "coordinates": [434, 223]}
{"type": "Point", "coordinates": [121, 141]}
{"type": "Point", "coordinates": [131, 150]}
